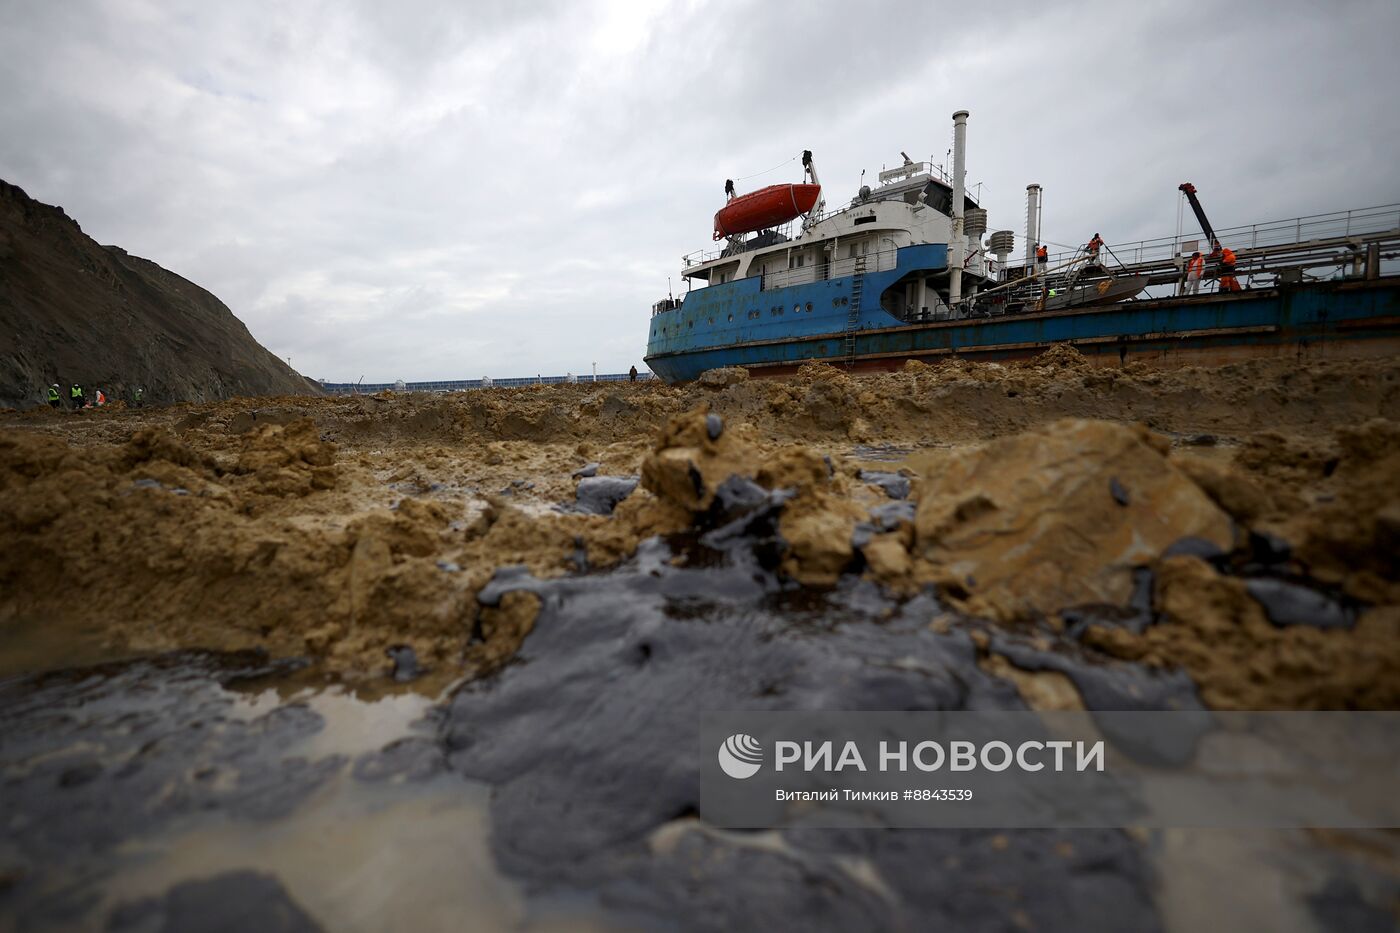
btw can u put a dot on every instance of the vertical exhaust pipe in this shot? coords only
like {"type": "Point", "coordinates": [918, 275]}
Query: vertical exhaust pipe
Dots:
{"type": "Point", "coordinates": [958, 253]}
{"type": "Point", "coordinates": [1032, 225]}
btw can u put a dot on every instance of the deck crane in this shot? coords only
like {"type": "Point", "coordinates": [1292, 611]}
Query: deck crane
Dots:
{"type": "Point", "coordinates": [1190, 191]}
{"type": "Point", "coordinates": [809, 173]}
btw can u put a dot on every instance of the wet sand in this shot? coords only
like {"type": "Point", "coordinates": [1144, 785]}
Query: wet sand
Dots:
{"type": "Point", "coordinates": [438, 569]}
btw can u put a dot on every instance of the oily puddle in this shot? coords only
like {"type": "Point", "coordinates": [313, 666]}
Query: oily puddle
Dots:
{"type": "Point", "coordinates": [571, 770]}
{"type": "Point", "coordinates": [127, 783]}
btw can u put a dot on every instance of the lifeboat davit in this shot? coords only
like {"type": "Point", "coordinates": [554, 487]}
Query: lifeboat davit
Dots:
{"type": "Point", "coordinates": [766, 207]}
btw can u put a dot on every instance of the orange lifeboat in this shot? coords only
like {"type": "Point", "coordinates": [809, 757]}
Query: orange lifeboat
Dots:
{"type": "Point", "coordinates": [766, 207]}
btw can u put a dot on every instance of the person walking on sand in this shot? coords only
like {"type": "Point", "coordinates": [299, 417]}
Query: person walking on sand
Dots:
{"type": "Point", "coordinates": [632, 374]}
{"type": "Point", "coordinates": [54, 401]}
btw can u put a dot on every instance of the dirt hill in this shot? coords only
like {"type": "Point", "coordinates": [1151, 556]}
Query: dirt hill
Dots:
{"type": "Point", "coordinates": [72, 310]}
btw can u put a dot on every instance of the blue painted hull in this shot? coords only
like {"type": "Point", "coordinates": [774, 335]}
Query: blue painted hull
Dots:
{"type": "Point", "coordinates": [715, 326]}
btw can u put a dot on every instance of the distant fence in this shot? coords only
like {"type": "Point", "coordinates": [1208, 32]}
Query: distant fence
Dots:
{"type": "Point", "coordinates": [462, 385]}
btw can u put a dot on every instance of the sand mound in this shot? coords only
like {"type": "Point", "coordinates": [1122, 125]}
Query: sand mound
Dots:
{"type": "Point", "coordinates": [344, 528]}
{"type": "Point", "coordinates": [1057, 516]}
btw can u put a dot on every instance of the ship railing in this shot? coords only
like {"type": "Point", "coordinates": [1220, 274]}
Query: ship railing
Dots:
{"type": "Point", "coordinates": [1358, 222]}
{"type": "Point", "coordinates": [875, 261]}
{"type": "Point", "coordinates": [701, 256]}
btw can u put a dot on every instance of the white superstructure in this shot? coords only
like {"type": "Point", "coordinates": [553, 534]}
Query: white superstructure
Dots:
{"type": "Point", "coordinates": [914, 204]}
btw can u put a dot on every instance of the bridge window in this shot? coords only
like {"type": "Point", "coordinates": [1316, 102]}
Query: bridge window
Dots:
{"type": "Point", "coordinates": [731, 318]}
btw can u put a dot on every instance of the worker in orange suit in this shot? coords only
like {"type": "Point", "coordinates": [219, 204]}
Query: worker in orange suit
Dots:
{"type": "Point", "coordinates": [1094, 245]}
{"type": "Point", "coordinates": [1042, 257]}
{"type": "Point", "coordinates": [1228, 282]}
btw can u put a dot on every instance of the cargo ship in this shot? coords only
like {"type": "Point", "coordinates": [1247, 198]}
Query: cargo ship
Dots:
{"type": "Point", "coordinates": [909, 270]}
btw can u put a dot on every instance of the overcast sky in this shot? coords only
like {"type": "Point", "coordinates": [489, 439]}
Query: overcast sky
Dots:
{"type": "Point", "coordinates": [427, 190]}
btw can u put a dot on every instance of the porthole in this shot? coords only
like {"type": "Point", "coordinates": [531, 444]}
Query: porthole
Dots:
{"type": "Point", "coordinates": [796, 309]}
{"type": "Point", "coordinates": [809, 306]}
{"type": "Point", "coordinates": [731, 318]}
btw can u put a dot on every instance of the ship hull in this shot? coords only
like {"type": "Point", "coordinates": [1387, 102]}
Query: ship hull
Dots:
{"type": "Point", "coordinates": [1313, 321]}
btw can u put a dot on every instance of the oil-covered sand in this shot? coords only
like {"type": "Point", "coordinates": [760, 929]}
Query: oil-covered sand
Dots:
{"type": "Point", "coordinates": [545, 567]}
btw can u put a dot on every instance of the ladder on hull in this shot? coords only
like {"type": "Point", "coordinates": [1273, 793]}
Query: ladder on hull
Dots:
{"type": "Point", "coordinates": [853, 319]}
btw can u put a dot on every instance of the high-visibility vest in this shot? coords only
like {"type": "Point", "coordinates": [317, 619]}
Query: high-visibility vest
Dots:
{"type": "Point", "coordinates": [1227, 257]}
{"type": "Point", "coordinates": [1042, 254]}
{"type": "Point", "coordinates": [76, 392]}
{"type": "Point", "coordinates": [53, 394]}
{"type": "Point", "coordinates": [1197, 264]}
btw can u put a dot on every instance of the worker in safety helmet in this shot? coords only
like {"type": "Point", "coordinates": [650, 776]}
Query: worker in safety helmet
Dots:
{"type": "Point", "coordinates": [1195, 267]}
{"type": "Point", "coordinates": [75, 396]}
{"type": "Point", "coordinates": [1042, 257]}
{"type": "Point", "coordinates": [1094, 246]}
{"type": "Point", "coordinates": [54, 401]}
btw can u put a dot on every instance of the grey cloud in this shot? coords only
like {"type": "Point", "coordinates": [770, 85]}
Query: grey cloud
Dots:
{"type": "Point", "coordinates": [438, 189]}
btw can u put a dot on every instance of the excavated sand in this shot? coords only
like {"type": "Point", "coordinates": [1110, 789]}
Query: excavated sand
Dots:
{"type": "Point", "coordinates": [342, 528]}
